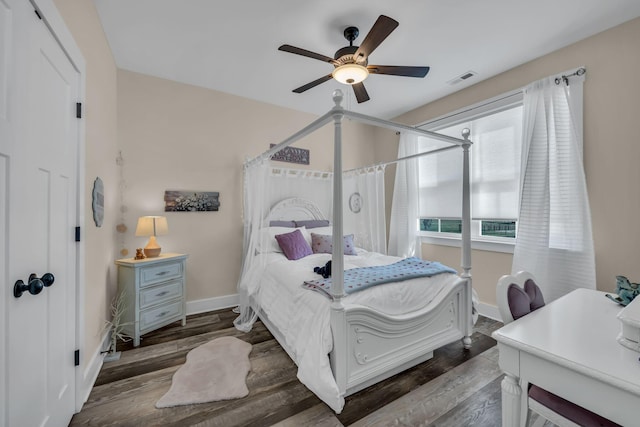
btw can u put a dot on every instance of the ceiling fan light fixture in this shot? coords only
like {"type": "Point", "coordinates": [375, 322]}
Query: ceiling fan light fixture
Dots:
{"type": "Point", "coordinates": [350, 74]}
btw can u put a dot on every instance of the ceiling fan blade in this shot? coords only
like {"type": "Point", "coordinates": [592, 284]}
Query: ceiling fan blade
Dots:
{"type": "Point", "coordinates": [380, 31]}
{"type": "Point", "coordinates": [395, 70]}
{"type": "Point", "coordinates": [307, 53]}
{"type": "Point", "coordinates": [313, 83]}
{"type": "Point", "coordinates": [361, 92]}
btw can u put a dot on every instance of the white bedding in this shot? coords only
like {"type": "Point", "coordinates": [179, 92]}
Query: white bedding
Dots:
{"type": "Point", "coordinates": [302, 316]}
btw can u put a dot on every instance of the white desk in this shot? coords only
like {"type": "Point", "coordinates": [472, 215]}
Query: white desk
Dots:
{"type": "Point", "coordinates": [569, 348]}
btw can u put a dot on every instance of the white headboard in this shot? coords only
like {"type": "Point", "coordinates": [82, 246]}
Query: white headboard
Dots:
{"type": "Point", "coordinates": [294, 208]}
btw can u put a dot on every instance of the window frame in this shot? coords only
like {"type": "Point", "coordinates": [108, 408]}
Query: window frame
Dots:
{"type": "Point", "coordinates": [484, 108]}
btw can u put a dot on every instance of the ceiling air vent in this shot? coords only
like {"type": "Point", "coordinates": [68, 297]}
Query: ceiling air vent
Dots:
{"type": "Point", "coordinates": [462, 77]}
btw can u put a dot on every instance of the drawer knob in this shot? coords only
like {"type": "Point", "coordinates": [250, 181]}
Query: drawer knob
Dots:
{"type": "Point", "coordinates": [162, 273]}
{"type": "Point", "coordinates": [163, 293]}
{"type": "Point", "coordinates": [164, 313]}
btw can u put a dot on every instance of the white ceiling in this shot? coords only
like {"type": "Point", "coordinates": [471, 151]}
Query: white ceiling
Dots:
{"type": "Point", "coordinates": [232, 45]}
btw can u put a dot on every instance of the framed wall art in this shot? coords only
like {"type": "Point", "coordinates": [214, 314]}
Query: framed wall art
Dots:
{"type": "Point", "coordinates": [191, 201]}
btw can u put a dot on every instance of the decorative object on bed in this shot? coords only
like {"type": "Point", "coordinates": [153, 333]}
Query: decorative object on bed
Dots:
{"type": "Point", "coordinates": [351, 62]}
{"type": "Point", "coordinates": [292, 155]}
{"type": "Point", "coordinates": [358, 279]}
{"type": "Point", "coordinates": [626, 291]}
{"type": "Point", "coordinates": [191, 201]}
{"type": "Point", "coordinates": [152, 226]}
{"type": "Point", "coordinates": [368, 335]}
{"type": "Point", "coordinates": [213, 371]}
{"type": "Point", "coordinates": [324, 271]}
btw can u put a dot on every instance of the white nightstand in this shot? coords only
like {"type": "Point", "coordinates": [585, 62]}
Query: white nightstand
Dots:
{"type": "Point", "coordinates": [155, 292]}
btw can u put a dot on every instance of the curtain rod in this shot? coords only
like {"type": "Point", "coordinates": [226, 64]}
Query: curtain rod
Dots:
{"type": "Point", "coordinates": [412, 156]}
{"type": "Point", "coordinates": [565, 78]}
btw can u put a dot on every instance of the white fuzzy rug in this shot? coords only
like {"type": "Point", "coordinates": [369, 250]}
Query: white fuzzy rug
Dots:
{"type": "Point", "coordinates": [213, 371]}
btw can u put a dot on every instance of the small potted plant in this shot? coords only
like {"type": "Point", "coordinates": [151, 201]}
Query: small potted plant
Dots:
{"type": "Point", "coordinates": [115, 326]}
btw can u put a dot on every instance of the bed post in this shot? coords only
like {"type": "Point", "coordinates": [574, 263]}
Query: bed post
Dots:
{"type": "Point", "coordinates": [338, 317]}
{"type": "Point", "coordinates": [466, 237]}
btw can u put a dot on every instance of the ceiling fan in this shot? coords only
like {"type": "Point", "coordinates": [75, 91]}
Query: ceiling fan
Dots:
{"type": "Point", "coordinates": [351, 62]}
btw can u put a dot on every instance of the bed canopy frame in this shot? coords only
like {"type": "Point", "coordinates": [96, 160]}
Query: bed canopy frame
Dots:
{"type": "Point", "coordinates": [392, 344]}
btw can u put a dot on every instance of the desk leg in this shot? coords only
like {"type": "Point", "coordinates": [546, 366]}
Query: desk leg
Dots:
{"type": "Point", "coordinates": [511, 401]}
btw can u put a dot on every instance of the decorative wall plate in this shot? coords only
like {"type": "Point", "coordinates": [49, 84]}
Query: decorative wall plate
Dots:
{"type": "Point", "coordinates": [355, 202]}
{"type": "Point", "coordinates": [97, 203]}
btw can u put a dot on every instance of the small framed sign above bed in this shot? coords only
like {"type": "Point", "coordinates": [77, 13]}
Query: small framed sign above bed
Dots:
{"type": "Point", "coordinates": [291, 155]}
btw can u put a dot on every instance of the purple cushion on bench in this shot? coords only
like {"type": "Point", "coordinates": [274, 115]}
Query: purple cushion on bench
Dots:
{"type": "Point", "coordinates": [535, 294]}
{"type": "Point", "coordinates": [519, 301]}
{"type": "Point", "coordinates": [567, 409]}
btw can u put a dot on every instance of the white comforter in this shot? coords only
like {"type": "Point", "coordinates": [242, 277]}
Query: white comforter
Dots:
{"type": "Point", "coordinates": [302, 316]}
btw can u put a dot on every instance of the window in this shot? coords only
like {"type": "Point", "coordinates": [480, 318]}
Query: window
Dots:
{"type": "Point", "coordinates": [496, 133]}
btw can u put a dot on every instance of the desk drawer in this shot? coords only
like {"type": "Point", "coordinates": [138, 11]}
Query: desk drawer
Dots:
{"type": "Point", "coordinates": [160, 273]}
{"type": "Point", "coordinates": [154, 316]}
{"type": "Point", "coordinates": [158, 294]}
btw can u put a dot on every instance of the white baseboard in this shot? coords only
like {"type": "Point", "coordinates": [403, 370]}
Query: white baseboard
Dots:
{"type": "Point", "coordinates": [490, 311]}
{"type": "Point", "coordinates": [91, 372]}
{"type": "Point", "coordinates": [211, 304]}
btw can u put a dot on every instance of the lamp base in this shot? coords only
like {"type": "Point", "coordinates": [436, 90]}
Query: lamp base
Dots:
{"type": "Point", "coordinates": [152, 252]}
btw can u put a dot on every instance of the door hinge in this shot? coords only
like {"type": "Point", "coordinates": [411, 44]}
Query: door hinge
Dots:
{"type": "Point", "coordinates": [76, 358]}
{"type": "Point", "coordinates": [38, 14]}
{"type": "Point", "coordinates": [79, 110]}
{"type": "Point", "coordinates": [77, 234]}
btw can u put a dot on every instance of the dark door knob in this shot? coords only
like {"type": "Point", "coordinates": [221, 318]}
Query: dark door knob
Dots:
{"type": "Point", "coordinates": [34, 286]}
{"type": "Point", "coordinates": [47, 279]}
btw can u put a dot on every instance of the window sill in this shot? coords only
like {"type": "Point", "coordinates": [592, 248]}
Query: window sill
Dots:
{"type": "Point", "coordinates": [481, 245]}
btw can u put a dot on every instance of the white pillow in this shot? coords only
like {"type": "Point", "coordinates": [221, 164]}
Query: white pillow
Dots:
{"type": "Point", "coordinates": [267, 238]}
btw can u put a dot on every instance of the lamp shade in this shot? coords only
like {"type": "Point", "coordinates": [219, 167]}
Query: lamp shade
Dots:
{"type": "Point", "coordinates": [152, 226]}
{"type": "Point", "coordinates": [350, 74]}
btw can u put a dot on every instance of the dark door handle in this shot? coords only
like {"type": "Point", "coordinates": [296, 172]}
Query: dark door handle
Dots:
{"type": "Point", "coordinates": [34, 286]}
{"type": "Point", "coordinates": [47, 279]}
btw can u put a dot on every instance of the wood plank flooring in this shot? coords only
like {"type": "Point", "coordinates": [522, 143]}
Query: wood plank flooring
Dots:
{"type": "Point", "coordinates": [457, 387]}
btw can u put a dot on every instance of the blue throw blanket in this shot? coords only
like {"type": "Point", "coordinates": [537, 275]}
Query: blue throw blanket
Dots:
{"type": "Point", "coordinates": [357, 279]}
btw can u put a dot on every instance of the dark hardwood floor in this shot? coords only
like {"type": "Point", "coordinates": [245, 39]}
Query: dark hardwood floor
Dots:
{"type": "Point", "coordinates": [457, 387]}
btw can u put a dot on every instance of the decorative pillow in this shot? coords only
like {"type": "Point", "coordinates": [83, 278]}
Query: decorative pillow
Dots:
{"type": "Point", "coordinates": [321, 244]}
{"type": "Point", "coordinates": [524, 301]}
{"type": "Point", "coordinates": [288, 224]}
{"type": "Point", "coordinates": [293, 245]}
{"type": "Point", "coordinates": [267, 238]}
{"type": "Point", "coordinates": [312, 223]}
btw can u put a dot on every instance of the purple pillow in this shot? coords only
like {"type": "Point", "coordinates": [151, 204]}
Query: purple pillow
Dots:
{"type": "Point", "coordinates": [312, 223]}
{"type": "Point", "coordinates": [321, 244]}
{"type": "Point", "coordinates": [289, 224]}
{"type": "Point", "coordinates": [293, 245]}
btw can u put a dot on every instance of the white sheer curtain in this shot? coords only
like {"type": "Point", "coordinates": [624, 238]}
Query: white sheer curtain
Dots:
{"type": "Point", "coordinates": [404, 240]}
{"type": "Point", "coordinates": [554, 240]}
{"type": "Point", "coordinates": [364, 213]}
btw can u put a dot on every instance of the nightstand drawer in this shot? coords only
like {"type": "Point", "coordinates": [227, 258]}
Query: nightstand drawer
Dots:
{"type": "Point", "coordinates": [160, 273]}
{"type": "Point", "coordinates": [160, 294]}
{"type": "Point", "coordinates": [153, 316]}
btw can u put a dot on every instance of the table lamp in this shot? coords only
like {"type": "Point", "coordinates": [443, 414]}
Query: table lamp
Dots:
{"type": "Point", "coordinates": [152, 226]}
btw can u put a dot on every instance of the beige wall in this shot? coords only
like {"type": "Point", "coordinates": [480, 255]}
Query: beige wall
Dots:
{"type": "Point", "coordinates": [181, 137]}
{"type": "Point", "coordinates": [101, 151]}
{"type": "Point", "coordinates": [611, 148]}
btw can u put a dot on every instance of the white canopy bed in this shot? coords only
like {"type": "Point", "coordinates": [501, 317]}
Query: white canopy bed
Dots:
{"type": "Point", "coordinates": [349, 341]}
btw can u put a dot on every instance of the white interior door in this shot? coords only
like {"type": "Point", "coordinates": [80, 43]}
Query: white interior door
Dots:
{"type": "Point", "coordinates": [38, 192]}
